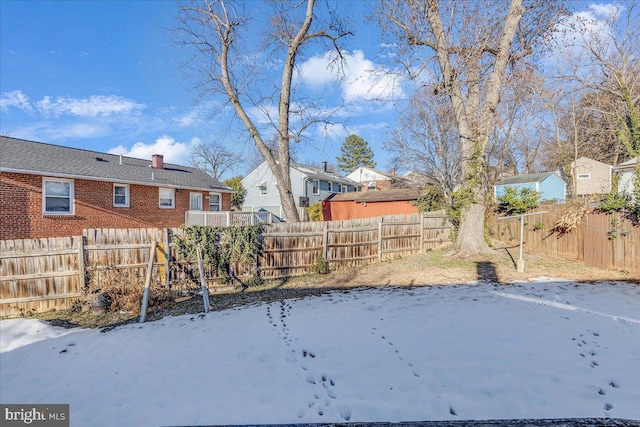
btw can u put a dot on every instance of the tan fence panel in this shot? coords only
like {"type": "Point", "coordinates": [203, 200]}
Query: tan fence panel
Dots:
{"type": "Point", "coordinates": [121, 249]}
{"type": "Point", "coordinates": [607, 241]}
{"type": "Point", "coordinates": [40, 274]}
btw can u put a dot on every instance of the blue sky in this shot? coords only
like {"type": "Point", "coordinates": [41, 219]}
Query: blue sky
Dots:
{"type": "Point", "coordinates": [106, 76]}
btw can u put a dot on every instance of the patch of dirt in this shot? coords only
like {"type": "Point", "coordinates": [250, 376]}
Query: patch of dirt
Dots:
{"type": "Point", "coordinates": [431, 268]}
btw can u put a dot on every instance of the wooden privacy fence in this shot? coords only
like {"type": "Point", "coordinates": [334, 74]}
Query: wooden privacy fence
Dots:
{"type": "Point", "coordinates": [607, 241]}
{"type": "Point", "coordinates": [40, 274]}
{"type": "Point", "coordinates": [292, 249]}
{"type": "Point", "coordinates": [43, 274]}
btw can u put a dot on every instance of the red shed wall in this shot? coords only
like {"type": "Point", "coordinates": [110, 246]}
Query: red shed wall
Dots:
{"type": "Point", "coordinates": [340, 210]}
{"type": "Point", "coordinates": [21, 214]}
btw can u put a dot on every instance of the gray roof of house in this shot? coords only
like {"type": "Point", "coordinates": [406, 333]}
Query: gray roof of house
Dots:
{"type": "Point", "coordinates": [525, 179]}
{"type": "Point", "coordinates": [318, 173]}
{"type": "Point", "coordinates": [629, 164]}
{"type": "Point", "coordinates": [380, 196]}
{"type": "Point", "coordinates": [17, 155]}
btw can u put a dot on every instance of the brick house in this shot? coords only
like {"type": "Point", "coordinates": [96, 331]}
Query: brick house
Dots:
{"type": "Point", "coordinates": [53, 191]}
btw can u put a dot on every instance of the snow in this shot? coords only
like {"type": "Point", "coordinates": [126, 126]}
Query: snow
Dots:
{"type": "Point", "coordinates": [540, 349]}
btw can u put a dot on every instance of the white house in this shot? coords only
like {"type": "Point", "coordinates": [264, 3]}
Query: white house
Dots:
{"type": "Point", "coordinates": [371, 179]}
{"type": "Point", "coordinates": [626, 170]}
{"type": "Point", "coordinates": [591, 176]}
{"type": "Point", "coordinates": [309, 185]}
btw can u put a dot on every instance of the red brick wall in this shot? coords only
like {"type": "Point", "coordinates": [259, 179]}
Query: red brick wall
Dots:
{"type": "Point", "coordinates": [21, 214]}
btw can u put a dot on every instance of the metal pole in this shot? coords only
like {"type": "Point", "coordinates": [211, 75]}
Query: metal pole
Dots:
{"type": "Point", "coordinates": [520, 266]}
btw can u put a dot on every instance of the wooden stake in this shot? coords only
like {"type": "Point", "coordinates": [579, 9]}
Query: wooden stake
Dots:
{"type": "Point", "coordinates": [147, 282]}
{"type": "Point", "coordinates": [203, 281]}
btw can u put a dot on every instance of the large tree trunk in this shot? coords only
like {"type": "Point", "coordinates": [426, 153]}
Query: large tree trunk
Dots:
{"type": "Point", "coordinates": [471, 240]}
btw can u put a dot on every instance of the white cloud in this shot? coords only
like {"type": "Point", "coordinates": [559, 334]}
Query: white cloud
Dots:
{"type": "Point", "coordinates": [53, 132]}
{"type": "Point", "coordinates": [362, 80]}
{"type": "Point", "coordinates": [94, 106]}
{"type": "Point", "coordinates": [172, 150]}
{"type": "Point", "coordinates": [606, 11]}
{"type": "Point", "coordinates": [16, 99]}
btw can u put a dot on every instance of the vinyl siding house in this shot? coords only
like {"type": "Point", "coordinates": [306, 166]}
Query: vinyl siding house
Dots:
{"type": "Point", "coordinates": [626, 170]}
{"type": "Point", "coordinates": [371, 179]}
{"type": "Point", "coordinates": [309, 185]}
{"type": "Point", "coordinates": [591, 176]}
{"type": "Point", "coordinates": [53, 191]}
{"type": "Point", "coordinates": [548, 184]}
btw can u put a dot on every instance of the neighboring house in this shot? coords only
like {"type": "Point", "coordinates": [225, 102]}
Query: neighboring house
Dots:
{"type": "Point", "coordinates": [591, 176]}
{"type": "Point", "coordinates": [369, 204]}
{"type": "Point", "coordinates": [52, 191]}
{"type": "Point", "coordinates": [625, 171]}
{"type": "Point", "coordinates": [308, 184]}
{"type": "Point", "coordinates": [548, 184]}
{"type": "Point", "coordinates": [415, 179]}
{"type": "Point", "coordinates": [371, 179]}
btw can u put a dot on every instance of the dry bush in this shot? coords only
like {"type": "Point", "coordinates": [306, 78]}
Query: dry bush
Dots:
{"type": "Point", "coordinates": [572, 218]}
{"type": "Point", "coordinates": [122, 290]}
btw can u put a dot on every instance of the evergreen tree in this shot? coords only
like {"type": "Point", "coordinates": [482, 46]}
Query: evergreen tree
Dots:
{"type": "Point", "coordinates": [237, 199]}
{"type": "Point", "coordinates": [355, 153]}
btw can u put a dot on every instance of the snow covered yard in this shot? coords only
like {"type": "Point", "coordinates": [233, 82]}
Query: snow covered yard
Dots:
{"type": "Point", "coordinates": [540, 349]}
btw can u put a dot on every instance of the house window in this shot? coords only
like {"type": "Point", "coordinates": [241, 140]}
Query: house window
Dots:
{"type": "Point", "coordinates": [584, 176]}
{"type": "Point", "coordinates": [120, 195]}
{"type": "Point", "coordinates": [167, 198]}
{"type": "Point", "coordinates": [57, 196]}
{"type": "Point", "coordinates": [339, 188]}
{"type": "Point", "coordinates": [195, 201]}
{"type": "Point", "coordinates": [316, 187]}
{"type": "Point", "coordinates": [330, 186]}
{"type": "Point", "coordinates": [263, 190]}
{"type": "Point", "coordinates": [214, 202]}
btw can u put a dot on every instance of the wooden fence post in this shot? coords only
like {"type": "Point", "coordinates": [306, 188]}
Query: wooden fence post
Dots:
{"type": "Point", "coordinates": [167, 255]}
{"type": "Point", "coordinates": [228, 218]}
{"type": "Point", "coordinates": [325, 241]}
{"type": "Point", "coordinates": [147, 282]}
{"type": "Point", "coordinates": [422, 233]}
{"type": "Point", "coordinates": [380, 240]}
{"type": "Point", "coordinates": [81, 266]}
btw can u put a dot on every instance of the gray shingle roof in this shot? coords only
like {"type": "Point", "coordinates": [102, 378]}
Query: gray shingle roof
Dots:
{"type": "Point", "coordinates": [17, 155]}
{"type": "Point", "coordinates": [525, 179]}
{"type": "Point", "coordinates": [380, 196]}
{"type": "Point", "coordinates": [317, 173]}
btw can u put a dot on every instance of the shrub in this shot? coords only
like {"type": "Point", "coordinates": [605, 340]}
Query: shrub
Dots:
{"type": "Point", "coordinates": [431, 202]}
{"type": "Point", "coordinates": [320, 266]}
{"type": "Point", "coordinates": [315, 212]}
{"type": "Point", "coordinates": [515, 202]}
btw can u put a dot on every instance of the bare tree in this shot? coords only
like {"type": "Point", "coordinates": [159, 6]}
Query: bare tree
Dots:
{"type": "Point", "coordinates": [426, 139]}
{"type": "Point", "coordinates": [227, 65]}
{"type": "Point", "coordinates": [605, 63]}
{"type": "Point", "coordinates": [470, 46]}
{"type": "Point", "coordinates": [214, 158]}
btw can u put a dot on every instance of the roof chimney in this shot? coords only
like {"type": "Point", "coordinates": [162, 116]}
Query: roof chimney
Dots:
{"type": "Point", "coordinates": [393, 171]}
{"type": "Point", "coordinates": [157, 161]}
{"type": "Point", "coordinates": [324, 166]}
